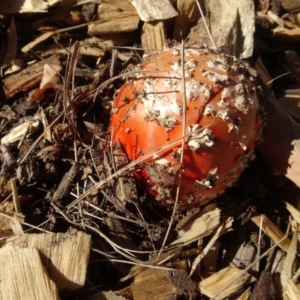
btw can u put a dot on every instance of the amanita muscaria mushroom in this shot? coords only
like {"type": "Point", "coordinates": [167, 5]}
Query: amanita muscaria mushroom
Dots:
{"type": "Point", "coordinates": [221, 118]}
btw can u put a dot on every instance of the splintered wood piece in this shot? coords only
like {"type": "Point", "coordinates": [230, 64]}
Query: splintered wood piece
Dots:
{"type": "Point", "coordinates": [224, 283]}
{"type": "Point", "coordinates": [28, 78]}
{"type": "Point", "coordinates": [152, 10]}
{"type": "Point", "coordinates": [235, 31]}
{"type": "Point", "coordinates": [153, 36]}
{"type": "Point", "coordinates": [23, 275]}
{"type": "Point", "coordinates": [245, 255]}
{"type": "Point", "coordinates": [272, 231]}
{"type": "Point", "coordinates": [64, 255]}
{"type": "Point", "coordinates": [187, 13]}
{"type": "Point", "coordinates": [161, 284]}
{"type": "Point", "coordinates": [293, 211]}
{"type": "Point", "coordinates": [109, 12]}
{"type": "Point", "coordinates": [199, 228]}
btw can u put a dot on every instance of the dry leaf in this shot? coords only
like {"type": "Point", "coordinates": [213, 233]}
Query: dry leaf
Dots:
{"type": "Point", "coordinates": [50, 77]}
{"type": "Point", "coordinates": [50, 71]}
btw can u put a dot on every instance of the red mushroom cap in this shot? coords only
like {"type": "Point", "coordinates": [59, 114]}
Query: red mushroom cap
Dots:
{"type": "Point", "coordinates": [221, 118]}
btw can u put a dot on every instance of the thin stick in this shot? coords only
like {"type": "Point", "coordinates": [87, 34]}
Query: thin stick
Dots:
{"type": "Point", "coordinates": [182, 149]}
{"type": "Point", "coordinates": [205, 24]}
{"type": "Point", "coordinates": [15, 195]}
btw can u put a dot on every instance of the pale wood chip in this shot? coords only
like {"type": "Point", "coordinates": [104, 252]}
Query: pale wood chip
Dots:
{"type": "Point", "coordinates": [234, 31]}
{"type": "Point", "coordinates": [245, 254]}
{"type": "Point", "coordinates": [153, 36]}
{"type": "Point", "coordinates": [38, 40]}
{"type": "Point", "coordinates": [293, 211]}
{"type": "Point", "coordinates": [114, 16]}
{"type": "Point", "coordinates": [200, 227]}
{"type": "Point", "coordinates": [152, 10]}
{"type": "Point", "coordinates": [225, 283]}
{"type": "Point", "coordinates": [23, 275]}
{"type": "Point", "coordinates": [161, 284]}
{"type": "Point", "coordinates": [64, 255]}
{"type": "Point", "coordinates": [275, 18]}
{"type": "Point", "coordinates": [274, 233]}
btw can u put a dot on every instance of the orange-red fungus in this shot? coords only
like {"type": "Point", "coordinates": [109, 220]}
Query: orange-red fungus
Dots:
{"type": "Point", "coordinates": [222, 123]}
